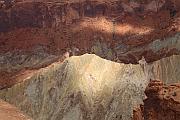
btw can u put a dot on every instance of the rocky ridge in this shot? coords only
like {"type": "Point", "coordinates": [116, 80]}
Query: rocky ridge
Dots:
{"type": "Point", "coordinates": [81, 88]}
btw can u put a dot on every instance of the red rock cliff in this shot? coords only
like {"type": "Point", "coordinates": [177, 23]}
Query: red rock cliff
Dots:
{"type": "Point", "coordinates": [162, 103]}
{"type": "Point", "coordinates": [124, 30]}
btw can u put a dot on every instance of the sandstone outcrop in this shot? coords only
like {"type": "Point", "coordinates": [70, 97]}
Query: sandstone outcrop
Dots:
{"type": "Point", "coordinates": [162, 103]}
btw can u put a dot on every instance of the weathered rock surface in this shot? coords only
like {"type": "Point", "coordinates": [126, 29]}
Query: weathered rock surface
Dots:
{"type": "Point", "coordinates": [9, 112]}
{"type": "Point", "coordinates": [163, 102]}
{"type": "Point", "coordinates": [81, 88]}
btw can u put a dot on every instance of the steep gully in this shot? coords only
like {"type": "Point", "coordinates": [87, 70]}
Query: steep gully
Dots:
{"type": "Point", "coordinates": [34, 35]}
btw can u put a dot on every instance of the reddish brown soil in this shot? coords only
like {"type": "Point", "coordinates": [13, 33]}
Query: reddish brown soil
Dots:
{"type": "Point", "coordinates": [9, 112]}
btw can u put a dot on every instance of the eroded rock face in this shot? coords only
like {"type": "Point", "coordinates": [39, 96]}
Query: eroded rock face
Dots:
{"type": "Point", "coordinates": [163, 102]}
{"type": "Point", "coordinates": [81, 88]}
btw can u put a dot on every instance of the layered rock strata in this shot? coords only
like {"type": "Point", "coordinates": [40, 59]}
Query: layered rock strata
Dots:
{"type": "Point", "coordinates": [115, 30]}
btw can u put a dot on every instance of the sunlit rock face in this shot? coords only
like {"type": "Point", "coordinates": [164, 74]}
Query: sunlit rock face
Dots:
{"type": "Point", "coordinates": [81, 88]}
